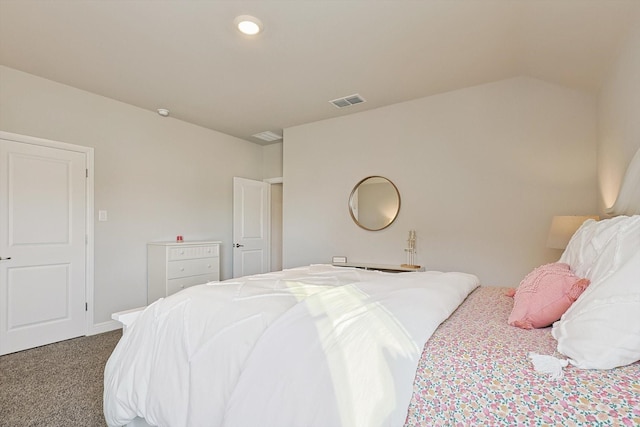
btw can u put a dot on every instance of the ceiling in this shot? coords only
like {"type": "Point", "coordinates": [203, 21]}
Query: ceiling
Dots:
{"type": "Point", "coordinates": [186, 56]}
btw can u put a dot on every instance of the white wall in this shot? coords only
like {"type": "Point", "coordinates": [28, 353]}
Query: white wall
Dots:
{"type": "Point", "coordinates": [481, 172]}
{"type": "Point", "coordinates": [157, 177]}
{"type": "Point", "coordinates": [272, 160]}
{"type": "Point", "coordinates": [619, 118]}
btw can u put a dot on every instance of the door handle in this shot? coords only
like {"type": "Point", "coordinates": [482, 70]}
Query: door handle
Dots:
{"type": "Point", "coordinates": [5, 259]}
{"type": "Point", "coordinates": [238, 245]}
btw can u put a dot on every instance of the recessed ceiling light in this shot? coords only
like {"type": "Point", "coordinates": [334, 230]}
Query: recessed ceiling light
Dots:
{"type": "Point", "coordinates": [248, 25]}
{"type": "Point", "coordinates": [163, 112]}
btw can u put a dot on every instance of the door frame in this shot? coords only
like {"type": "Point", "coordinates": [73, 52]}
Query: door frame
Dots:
{"type": "Point", "coordinates": [89, 231]}
{"type": "Point", "coordinates": [274, 181]}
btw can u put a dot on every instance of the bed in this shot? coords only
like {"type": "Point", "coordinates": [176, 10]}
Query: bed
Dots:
{"type": "Point", "coordinates": [333, 346]}
{"type": "Point", "coordinates": [475, 371]}
{"type": "Point", "coordinates": [309, 346]}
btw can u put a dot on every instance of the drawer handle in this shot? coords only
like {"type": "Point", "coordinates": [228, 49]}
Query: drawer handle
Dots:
{"type": "Point", "coordinates": [209, 266]}
{"type": "Point", "coordinates": [181, 268]}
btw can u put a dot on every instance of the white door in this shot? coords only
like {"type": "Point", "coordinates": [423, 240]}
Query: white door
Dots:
{"type": "Point", "coordinates": [42, 245]}
{"type": "Point", "coordinates": [251, 227]}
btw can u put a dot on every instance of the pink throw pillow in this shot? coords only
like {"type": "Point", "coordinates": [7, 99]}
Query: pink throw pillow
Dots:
{"type": "Point", "coordinates": [544, 295]}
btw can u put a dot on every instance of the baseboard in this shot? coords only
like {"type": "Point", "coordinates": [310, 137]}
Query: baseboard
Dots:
{"type": "Point", "coordinates": [99, 328]}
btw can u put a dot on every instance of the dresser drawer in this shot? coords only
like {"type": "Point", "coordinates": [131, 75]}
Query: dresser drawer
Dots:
{"type": "Point", "coordinates": [172, 266]}
{"type": "Point", "coordinates": [176, 285]}
{"type": "Point", "coordinates": [193, 252]}
{"type": "Point", "coordinates": [192, 267]}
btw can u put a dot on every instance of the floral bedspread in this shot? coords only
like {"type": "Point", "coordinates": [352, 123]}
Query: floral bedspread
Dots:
{"type": "Point", "coordinates": [474, 371]}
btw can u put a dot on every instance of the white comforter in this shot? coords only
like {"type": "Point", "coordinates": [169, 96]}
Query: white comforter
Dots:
{"type": "Point", "coordinates": [313, 346]}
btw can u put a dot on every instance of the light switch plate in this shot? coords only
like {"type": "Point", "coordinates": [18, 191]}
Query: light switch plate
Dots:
{"type": "Point", "coordinates": [102, 215]}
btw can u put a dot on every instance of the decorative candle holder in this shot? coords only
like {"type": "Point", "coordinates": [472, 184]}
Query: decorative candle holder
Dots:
{"type": "Point", "coordinates": [411, 250]}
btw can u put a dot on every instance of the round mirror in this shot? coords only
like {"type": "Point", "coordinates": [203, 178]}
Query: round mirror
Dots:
{"type": "Point", "coordinates": [374, 203]}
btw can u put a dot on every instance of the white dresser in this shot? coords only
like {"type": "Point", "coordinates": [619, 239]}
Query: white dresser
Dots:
{"type": "Point", "coordinates": [173, 266]}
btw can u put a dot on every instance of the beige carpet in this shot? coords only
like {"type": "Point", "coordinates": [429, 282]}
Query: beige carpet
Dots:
{"type": "Point", "coordinates": [56, 385]}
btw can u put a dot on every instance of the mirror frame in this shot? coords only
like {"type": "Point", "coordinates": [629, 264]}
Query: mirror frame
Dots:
{"type": "Point", "coordinates": [355, 189]}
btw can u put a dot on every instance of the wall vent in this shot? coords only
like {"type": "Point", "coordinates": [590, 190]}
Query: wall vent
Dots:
{"type": "Point", "coordinates": [267, 136]}
{"type": "Point", "coordinates": [348, 101]}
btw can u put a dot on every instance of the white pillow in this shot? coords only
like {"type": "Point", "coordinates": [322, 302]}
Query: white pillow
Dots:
{"type": "Point", "coordinates": [588, 244]}
{"type": "Point", "coordinates": [601, 330]}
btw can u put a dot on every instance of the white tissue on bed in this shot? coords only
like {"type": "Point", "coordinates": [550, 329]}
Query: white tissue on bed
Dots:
{"type": "Point", "coordinates": [548, 365]}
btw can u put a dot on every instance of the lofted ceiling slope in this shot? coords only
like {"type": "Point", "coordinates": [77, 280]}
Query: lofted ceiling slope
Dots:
{"type": "Point", "coordinates": [186, 56]}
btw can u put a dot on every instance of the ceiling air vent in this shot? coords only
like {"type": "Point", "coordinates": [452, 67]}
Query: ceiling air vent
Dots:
{"type": "Point", "coordinates": [348, 101]}
{"type": "Point", "coordinates": [267, 136]}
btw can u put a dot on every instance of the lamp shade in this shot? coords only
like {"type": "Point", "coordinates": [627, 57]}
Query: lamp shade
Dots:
{"type": "Point", "coordinates": [563, 227]}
